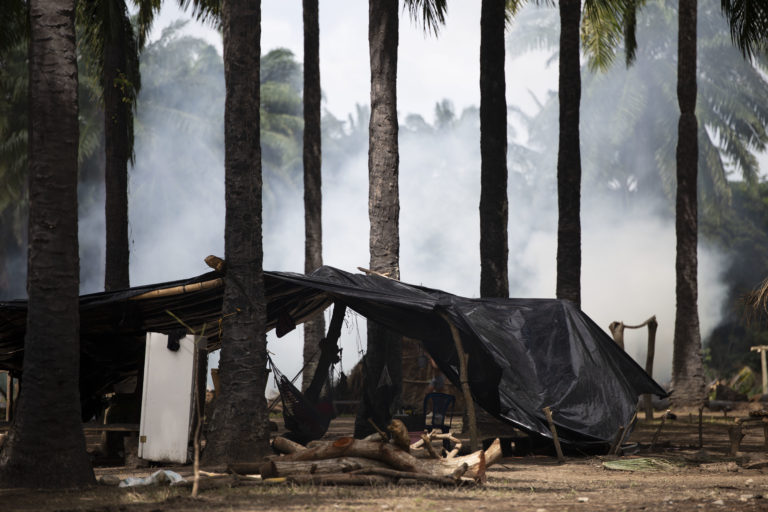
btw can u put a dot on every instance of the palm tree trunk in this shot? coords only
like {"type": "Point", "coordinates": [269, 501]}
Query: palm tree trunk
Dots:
{"type": "Point", "coordinates": [116, 141]}
{"type": "Point", "coordinates": [384, 347]}
{"type": "Point", "coordinates": [46, 445]}
{"type": "Point", "coordinates": [313, 198]}
{"type": "Point", "coordinates": [569, 157]}
{"type": "Point", "coordinates": [494, 251]}
{"type": "Point", "coordinates": [687, 366]}
{"type": "Point", "coordinates": [239, 428]}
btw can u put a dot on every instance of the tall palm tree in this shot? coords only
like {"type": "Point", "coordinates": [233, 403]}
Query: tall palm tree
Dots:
{"type": "Point", "coordinates": [115, 48]}
{"type": "Point", "coordinates": [687, 366]}
{"type": "Point", "coordinates": [239, 427]}
{"type": "Point", "coordinates": [569, 156]}
{"type": "Point", "coordinates": [31, 456]}
{"type": "Point", "coordinates": [494, 252]}
{"type": "Point", "coordinates": [383, 361]}
{"type": "Point", "coordinates": [313, 199]}
{"type": "Point", "coordinates": [748, 21]}
{"type": "Point", "coordinates": [109, 33]}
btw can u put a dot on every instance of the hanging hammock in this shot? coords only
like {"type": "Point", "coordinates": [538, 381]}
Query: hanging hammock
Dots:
{"type": "Point", "coordinates": [304, 420]}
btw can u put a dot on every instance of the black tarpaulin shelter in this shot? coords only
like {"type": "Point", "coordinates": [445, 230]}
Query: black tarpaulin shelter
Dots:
{"type": "Point", "coordinates": [524, 354]}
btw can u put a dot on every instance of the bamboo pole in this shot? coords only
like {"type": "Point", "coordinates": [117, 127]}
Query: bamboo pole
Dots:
{"type": "Point", "coordinates": [474, 442]}
{"type": "Point", "coordinates": [179, 290]}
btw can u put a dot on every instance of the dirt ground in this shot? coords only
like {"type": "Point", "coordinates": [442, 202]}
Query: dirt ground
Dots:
{"type": "Point", "coordinates": [690, 479]}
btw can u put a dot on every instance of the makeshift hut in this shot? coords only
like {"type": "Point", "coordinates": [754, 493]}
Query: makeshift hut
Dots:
{"type": "Point", "coordinates": [523, 354]}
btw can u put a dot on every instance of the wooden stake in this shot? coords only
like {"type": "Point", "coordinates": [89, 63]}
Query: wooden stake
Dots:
{"type": "Point", "coordinates": [701, 433]}
{"type": "Point", "coordinates": [649, 355]}
{"type": "Point", "coordinates": [474, 442]}
{"type": "Point", "coordinates": [617, 441]}
{"type": "Point", "coordinates": [623, 431]}
{"type": "Point", "coordinates": [658, 430]}
{"type": "Point", "coordinates": [762, 349]}
{"type": "Point", "coordinates": [8, 395]}
{"type": "Point", "coordinates": [556, 439]}
{"type": "Point", "coordinates": [381, 433]}
{"type": "Point", "coordinates": [617, 330]}
{"type": "Point", "coordinates": [9, 403]}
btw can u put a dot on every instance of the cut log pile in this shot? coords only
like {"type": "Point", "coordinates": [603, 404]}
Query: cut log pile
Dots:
{"type": "Point", "coordinates": [370, 462]}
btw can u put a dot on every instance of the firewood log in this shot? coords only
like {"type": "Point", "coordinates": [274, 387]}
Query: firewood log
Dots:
{"type": "Point", "coordinates": [285, 445]}
{"type": "Point", "coordinates": [340, 479]}
{"type": "Point", "coordinates": [276, 467]}
{"type": "Point", "coordinates": [394, 457]}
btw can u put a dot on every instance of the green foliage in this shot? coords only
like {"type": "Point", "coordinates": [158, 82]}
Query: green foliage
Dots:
{"type": "Point", "coordinates": [14, 27]}
{"type": "Point", "coordinates": [741, 232]}
{"type": "Point", "coordinates": [748, 20]}
{"type": "Point", "coordinates": [183, 95]}
{"type": "Point", "coordinates": [629, 116]}
{"type": "Point", "coordinates": [431, 13]}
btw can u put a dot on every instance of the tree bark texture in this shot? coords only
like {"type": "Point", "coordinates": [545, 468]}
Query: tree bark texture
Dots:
{"type": "Point", "coordinates": [46, 445]}
{"type": "Point", "coordinates": [117, 124]}
{"type": "Point", "coordinates": [687, 367]}
{"type": "Point", "coordinates": [313, 197]}
{"type": "Point", "coordinates": [384, 347]}
{"type": "Point", "coordinates": [569, 157]}
{"type": "Point", "coordinates": [239, 427]}
{"type": "Point", "coordinates": [494, 206]}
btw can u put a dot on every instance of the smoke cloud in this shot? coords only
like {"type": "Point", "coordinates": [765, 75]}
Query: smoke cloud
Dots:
{"type": "Point", "coordinates": [176, 195]}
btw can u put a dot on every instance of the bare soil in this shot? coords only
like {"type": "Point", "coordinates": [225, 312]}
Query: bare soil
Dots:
{"type": "Point", "coordinates": [694, 479]}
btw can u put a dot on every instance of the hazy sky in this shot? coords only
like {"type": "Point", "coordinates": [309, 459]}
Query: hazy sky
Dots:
{"type": "Point", "coordinates": [628, 264]}
{"type": "Point", "coordinates": [429, 68]}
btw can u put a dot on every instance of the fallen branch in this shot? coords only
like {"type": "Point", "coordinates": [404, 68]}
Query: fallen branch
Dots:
{"type": "Point", "coordinates": [340, 479]}
{"type": "Point", "coordinates": [398, 459]}
{"type": "Point", "coordinates": [276, 468]}
{"type": "Point", "coordinates": [285, 445]}
{"type": "Point", "coordinates": [453, 479]}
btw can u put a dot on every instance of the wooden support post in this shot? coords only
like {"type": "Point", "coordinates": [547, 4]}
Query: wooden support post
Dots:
{"type": "Point", "coordinates": [617, 330]}
{"type": "Point", "coordinates": [735, 435]}
{"type": "Point", "coordinates": [7, 396]}
{"type": "Point", "coordinates": [658, 430]}
{"type": "Point", "coordinates": [614, 449]}
{"type": "Point", "coordinates": [474, 442]}
{"type": "Point", "coordinates": [649, 355]}
{"type": "Point", "coordinates": [701, 428]}
{"type": "Point", "coordinates": [556, 439]}
{"type": "Point", "coordinates": [623, 431]}
{"type": "Point", "coordinates": [10, 401]}
{"type": "Point", "coordinates": [765, 434]}
{"type": "Point", "coordinates": [762, 349]}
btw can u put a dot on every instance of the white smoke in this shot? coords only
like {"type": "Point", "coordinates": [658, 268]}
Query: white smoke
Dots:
{"type": "Point", "coordinates": [628, 259]}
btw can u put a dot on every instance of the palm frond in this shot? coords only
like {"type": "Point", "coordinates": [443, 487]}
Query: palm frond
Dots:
{"type": "Point", "coordinates": [431, 13]}
{"type": "Point", "coordinates": [757, 300]}
{"type": "Point", "coordinates": [145, 17]}
{"type": "Point", "coordinates": [748, 22]}
{"type": "Point", "coordinates": [206, 11]}
{"type": "Point", "coordinates": [14, 23]}
{"type": "Point", "coordinates": [535, 28]}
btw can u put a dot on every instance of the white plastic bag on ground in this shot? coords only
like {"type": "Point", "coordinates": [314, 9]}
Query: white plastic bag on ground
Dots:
{"type": "Point", "coordinates": [163, 476]}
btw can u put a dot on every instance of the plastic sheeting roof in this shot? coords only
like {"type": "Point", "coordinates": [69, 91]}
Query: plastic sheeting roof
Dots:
{"type": "Point", "coordinates": [524, 354]}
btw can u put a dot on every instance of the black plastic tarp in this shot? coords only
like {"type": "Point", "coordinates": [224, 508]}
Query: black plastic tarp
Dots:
{"type": "Point", "coordinates": [524, 354]}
